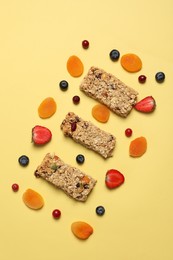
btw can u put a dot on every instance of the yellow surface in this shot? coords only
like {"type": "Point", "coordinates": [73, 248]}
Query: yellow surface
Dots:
{"type": "Point", "coordinates": [37, 38]}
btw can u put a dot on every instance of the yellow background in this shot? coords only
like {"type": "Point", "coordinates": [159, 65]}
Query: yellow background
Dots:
{"type": "Point", "coordinates": [37, 37]}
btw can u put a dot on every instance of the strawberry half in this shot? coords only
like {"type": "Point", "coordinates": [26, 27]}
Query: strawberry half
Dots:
{"type": "Point", "coordinates": [113, 178]}
{"type": "Point", "coordinates": [41, 135]}
{"type": "Point", "coordinates": [146, 105]}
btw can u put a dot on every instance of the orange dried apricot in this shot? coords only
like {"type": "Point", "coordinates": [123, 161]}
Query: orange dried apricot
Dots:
{"type": "Point", "coordinates": [101, 113]}
{"type": "Point", "coordinates": [131, 62]}
{"type": "Point", "coordinates": [33, 199]}
{"type": "Point", "coordinates": [85, 179]}
{"type": "Point", "coordinates": [81, 230]}
{"type": "Point", "coordinates": [75, 66]}
{"type": "Point", "coordinates": [47, 107]}
{"type": "Point", "coordinates": [138, 147]}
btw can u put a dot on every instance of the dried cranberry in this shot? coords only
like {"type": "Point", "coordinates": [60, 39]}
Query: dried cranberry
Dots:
{"type": "Point", "coordinates": [73, 126]}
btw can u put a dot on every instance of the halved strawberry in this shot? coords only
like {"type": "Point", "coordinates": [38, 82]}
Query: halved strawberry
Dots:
{"type": "Point", "coordinates": [41, 135]}
{"type": "Point", "coordinates": [146, 105]}
{"type": "Point", "coordinates": [114, 178]}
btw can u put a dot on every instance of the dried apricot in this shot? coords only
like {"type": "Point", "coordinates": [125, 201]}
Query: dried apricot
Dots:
{"type": "Point", "coordinates": [75, 66]}
{"type": "Point", "coordinates": [131, 62]}
{"type": "Point", "coordinates": [47, 107]}
{"type": "Point", "coordinates": [33, 199]}
{"type": "Point", "coordinates": [138, 147]}
{"type": "Point", "coordinates": [81, 230]}
{"type": "Point", "coordinates": [101, 113]}
{"type": "Point", "coordinates": [85, 179]}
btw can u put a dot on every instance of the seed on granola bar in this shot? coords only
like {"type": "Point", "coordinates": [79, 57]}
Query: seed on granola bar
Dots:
{"type": "Point", "coordinates": [54, 167]}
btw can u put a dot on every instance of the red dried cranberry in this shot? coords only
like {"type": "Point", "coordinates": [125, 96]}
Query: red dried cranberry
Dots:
{"type": "Point", "coordinates": [73, 126]}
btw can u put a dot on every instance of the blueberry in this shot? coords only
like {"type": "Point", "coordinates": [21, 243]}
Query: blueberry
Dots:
{"type": "Point", "coordinates": [114, 55]}
{"type": "Point", "coordinates": [23, 160]}
{"type": "Point", "coordinates": [160, 77]}
{"type": "Point", "coordinates": [100, 210]}
{"type": "Point", "coordinates": [63, 85]}
{"type": "Point", "coordinates": [80, 159]}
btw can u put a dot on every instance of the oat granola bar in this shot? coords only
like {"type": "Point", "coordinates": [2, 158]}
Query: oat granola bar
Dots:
{"type": "Point", "coordinates": [71, 180]}
{"type": "Point", "coordinates": [89, 135]}
{"type": "Point", "coordinates": [109, 90]}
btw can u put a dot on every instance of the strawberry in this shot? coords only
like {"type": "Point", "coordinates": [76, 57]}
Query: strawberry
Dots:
{"type": "Point", "coordinates": [41, 135]}
{"type": "Point", "coordinates": [146, 105]}
{"type": "Point", "coordinates": [113, 178]}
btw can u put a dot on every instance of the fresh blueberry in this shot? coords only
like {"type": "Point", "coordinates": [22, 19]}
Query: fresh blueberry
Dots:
{"type": "Point", "coordinates": [100, 210]}
{"type": "Point", "coordinates": [160, 77]}
{"type": "Point", "coordinates": [114, 55]}
{"type": "Point", "coordinates": [63, 85]}
{"type": "Point", "coordinates": [80, 159]}
{"type": "Point", "coordinates": [23, 160]}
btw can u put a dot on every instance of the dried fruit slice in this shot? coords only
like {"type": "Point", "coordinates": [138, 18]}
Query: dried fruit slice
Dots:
{"type": "Point", "coordinates": [131, 62]}
{"type": "Point", "coordinates": [101, 113]}
{"type": "Point", "coordinates": [75, 66]}
{"type": "Point", "coordinates": [33, 199]}
{"type": "Point", "coordinates": [138, 147]}
{"type": "Point", "coordinates": [81, 230]}
{"type": "Point", "coordinates": [47, 108]}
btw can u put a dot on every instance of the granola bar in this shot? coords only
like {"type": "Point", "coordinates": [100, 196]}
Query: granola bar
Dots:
{"type": "Point", "coordinates": [89, 135]}
{"type": "Point", "coordinates": [109, 90]}
{"type": "Point", "coordinates": [71, 180]}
